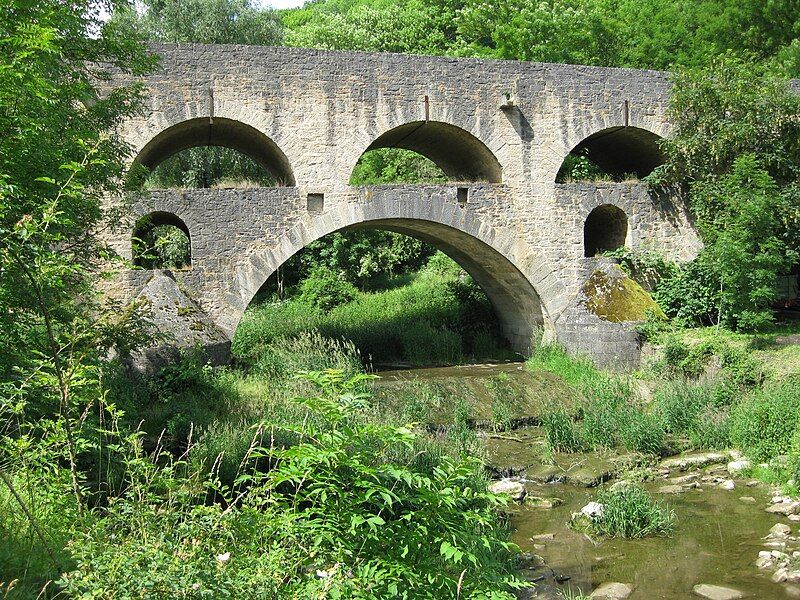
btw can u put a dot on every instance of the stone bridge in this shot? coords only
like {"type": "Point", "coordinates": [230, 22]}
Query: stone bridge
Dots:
{"type": "Point", "coordinates": [499, 129]}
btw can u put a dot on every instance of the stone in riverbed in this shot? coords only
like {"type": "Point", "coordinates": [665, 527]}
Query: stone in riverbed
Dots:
{"type": "Point", "coordinates": [543, 537]}
{"type": "Point", "coordinates": [539, 502]}
{"type": "Point", "coordinates": [694, 461]}
{"type": "Point", "coordinates": [513, 488]}
{"type": "Point", "coordinates": [779, 531]}
{"type": "Point", "coordinates": [716, 592]}
{"type": "Point", "coordinates": [671, 489]}
{"type": "Point", "coordinates": [735, 467]}
{"type": "Point", "coordinates": [727, 484]}
{"type": "Point", "coordinates": [591, 474]}
{"type": "Point", "coordinates": [748, 499]}
{"type": "Point", "coordinates": [785, 508]}
{"type": "Point", "coordinates": [612, 590]}
{"type": "Point", "coordinates": [593, 510]}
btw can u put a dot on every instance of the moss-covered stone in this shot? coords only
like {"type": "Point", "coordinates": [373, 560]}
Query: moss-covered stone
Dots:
{"type": "Point", "coordinates": [613, 296]}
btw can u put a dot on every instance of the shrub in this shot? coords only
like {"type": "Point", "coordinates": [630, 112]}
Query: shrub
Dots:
{"type": "Point", "coordinates": [630, 512]}
{"type": "Point", "coordinates": [334, 517]}
{"type": "Point", "coordinates": [308, 351]}
{"type": "Point", "coordinates": [326, 289]}
{"type": "Point", "coordinates": [641, 431]}
{"type": "Point", "coordinates": [576, 371]}
{"type": "Point", "coordinates": [764, 424]}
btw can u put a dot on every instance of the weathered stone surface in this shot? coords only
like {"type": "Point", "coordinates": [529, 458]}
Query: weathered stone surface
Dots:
{"type": "Point", "coordinates": [540, 502]}
{"type": "Point", "coordinates": [716, 592]}
{"type": "Point", "coordinates": [593, 510]}
{"type": "Point", "coordinates": [785, 508]}
{"type": "Point", "coordinates": [612, 591]}
{"type": "Point", "coordinates": [180, 322]}
{"type": "Point", "coordinates": [696, 460]}
{"type": "Point", "coordinates": [735, 467]}
{"type": "Point", "coordinates": [514, 489]}
{"type": "Point", "coordinates": [308, 115]}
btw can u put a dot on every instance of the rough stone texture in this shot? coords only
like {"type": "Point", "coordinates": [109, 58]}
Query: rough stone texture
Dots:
{"type": "Point", "coordinates": [309, 115]}
{"type": "Point", "coordinates": [612, 590]}
{"type": "Point", "coordinates": [716, 592]}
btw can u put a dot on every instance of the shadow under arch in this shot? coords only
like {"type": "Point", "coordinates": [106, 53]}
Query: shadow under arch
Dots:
{"type": "Point", "coordinates": [605, 228]}
{"type": "Point", "coordinates": [515, 301]}
{"type": "Point", "coordinates": [217, 131]}
{"type": "Point", "coordinates": [456, 151]}
{"type": "Point", "coordinates": [143, 229]}
{"type": "Point", "coordinates": [621, 151]}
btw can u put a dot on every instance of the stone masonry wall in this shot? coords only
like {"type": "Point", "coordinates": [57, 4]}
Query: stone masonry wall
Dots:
{"type": "Point", "coordinates": [521, 237]}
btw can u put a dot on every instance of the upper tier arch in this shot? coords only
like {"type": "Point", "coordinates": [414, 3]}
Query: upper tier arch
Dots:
{"type": "Point", "coordinates": [217, 131]}
{"type": "Point", "coordinates": [456, 151]}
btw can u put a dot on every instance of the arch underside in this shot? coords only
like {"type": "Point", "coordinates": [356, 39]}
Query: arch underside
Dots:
{"type": "Point", "coordinates": [218, 131]}
{"type": "Point", "coordinates": [455, 151]}
{"type": "Point", "coordinates": [514, 299]}
{"type": "Point", "coordinates": [621, 151]}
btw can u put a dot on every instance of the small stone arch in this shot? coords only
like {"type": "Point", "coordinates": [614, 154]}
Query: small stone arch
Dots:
{"type": "Point", "coordinates": [217, 131]}
{"type": "Point", "coordinates": [143, 230]}
{"type": "Point", "coordinates": [620, 151]}
{"type": "Point", "coordinates": [461, 155]}
{"type": "Point", "coordinates": [606, 228]}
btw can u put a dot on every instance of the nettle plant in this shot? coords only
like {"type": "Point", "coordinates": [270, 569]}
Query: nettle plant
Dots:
{"type": "Point", "coordinates": [379, 528]}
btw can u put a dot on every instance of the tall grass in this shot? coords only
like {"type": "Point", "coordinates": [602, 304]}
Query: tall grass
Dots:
{"type": "Point", "coordinates": [630, 512]}
{"type": "Point", "coordinates": [438, 318]}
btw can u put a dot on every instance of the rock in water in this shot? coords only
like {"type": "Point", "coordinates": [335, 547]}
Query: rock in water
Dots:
{"type": "Point", "coordinates": [593, 510]}
{"type": "Point", "coordinates": [716, 592]}
{"type": "Point", "coordinates": [612, 590]}
{"type": "Point", "coordinates": [737, 466]}
{"type": "Point", "coordinates": [513, 488]}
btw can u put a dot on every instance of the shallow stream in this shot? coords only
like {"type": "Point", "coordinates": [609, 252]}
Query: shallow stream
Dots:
{"type": "Point", "coordinates": [717, 535]}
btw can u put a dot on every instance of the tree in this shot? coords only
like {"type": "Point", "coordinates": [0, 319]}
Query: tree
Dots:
{"type": "Point", "coordinates": [60, 169]}
{"type": "Point", "coordinates": [737, 147]}
{"type": "Point", "coordinates": [202, 21]}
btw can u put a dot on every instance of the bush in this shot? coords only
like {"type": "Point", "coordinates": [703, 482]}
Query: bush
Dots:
{"type": "Point", "coordinates": [764, 424]}
{"type": "Point", "coordinates": [630, 512]}
{"type": "Point", "coordinates": [326, 289]}
{"type": "Point", "coordinates": [335, 517]}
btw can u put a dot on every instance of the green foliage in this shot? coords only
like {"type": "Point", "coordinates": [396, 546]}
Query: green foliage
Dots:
{"type": "Point", "coordinates": [395, 165]}
{"type": "Point", "coordinates": [435, 319]}
{"type": "Point", "coordinates": [736, 145]}
{"type": "Point", "coordinates": [201, 21]}
{"type": "Point", "coordinates": [577, 167]}
{"type": "Point", "coordinates": [326, 289]}
{"type": "Point", "coordinates": [162, 247]}
{"type": "Point", "coordinates": [764, 424]}
{"type": "Point", "coordinates": [562, 433]}
{"type": "Point", "coordinates": [60, 168]}
{"type": "Point", "coordinates": [335, 515]}
{"type": "Point", "coordinates": [630, 512]}
{"type": "Point", "coordinates": [739, 367]}
{"type": "Point", "coordinates": [206, 167]}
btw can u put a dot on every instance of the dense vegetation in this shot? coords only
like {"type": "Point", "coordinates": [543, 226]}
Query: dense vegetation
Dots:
{"type": "Point", "coordinates": [286, 476]}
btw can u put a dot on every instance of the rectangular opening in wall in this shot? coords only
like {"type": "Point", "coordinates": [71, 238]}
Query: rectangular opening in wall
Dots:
{"type": "Point", "coordinates": [462, 194]}
{"type": "Point", "coordinates": [315, 203]}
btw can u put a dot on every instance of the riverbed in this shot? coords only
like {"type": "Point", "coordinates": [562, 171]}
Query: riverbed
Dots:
{"type": "Point", "coordinates": [718, 533]}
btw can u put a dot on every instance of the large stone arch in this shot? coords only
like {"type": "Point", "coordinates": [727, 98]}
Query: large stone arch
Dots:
{"type": "Point", "coordinates": [523, 289]}
{"type": "Point", "coordinates": [461, 154]}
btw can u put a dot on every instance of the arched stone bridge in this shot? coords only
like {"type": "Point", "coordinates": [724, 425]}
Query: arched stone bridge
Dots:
{"type": "Point", "coordinates": [499, 129]}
